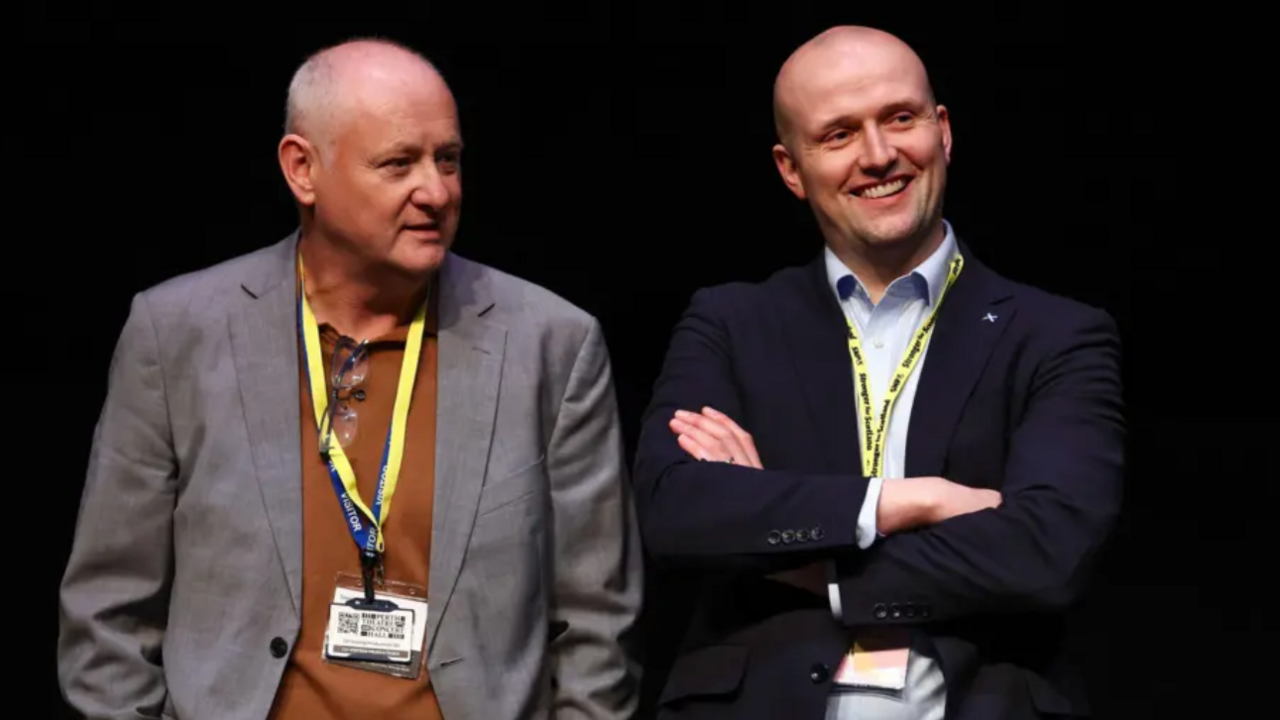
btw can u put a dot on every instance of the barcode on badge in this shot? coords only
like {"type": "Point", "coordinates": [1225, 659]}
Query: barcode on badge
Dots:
{"type": "Point", "coordinates": [348, 622]}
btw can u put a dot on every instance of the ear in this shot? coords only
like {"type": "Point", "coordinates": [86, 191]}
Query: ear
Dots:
{"type": "Point", "coordinates": [787, 168]}
{"type": "Point", "coordinates": [944, 122]}
{"type": "Point", "coordinates": [299, 161]}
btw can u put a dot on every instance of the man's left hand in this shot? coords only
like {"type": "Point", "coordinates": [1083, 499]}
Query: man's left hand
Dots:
{"type": "Point", "coordinates": [712, 435]}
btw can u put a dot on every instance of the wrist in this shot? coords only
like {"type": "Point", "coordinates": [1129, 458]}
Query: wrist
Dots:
{"type": "Point", "coordinates": [901, 506]}
{"type": "Point", "coordinates": [928, 507]}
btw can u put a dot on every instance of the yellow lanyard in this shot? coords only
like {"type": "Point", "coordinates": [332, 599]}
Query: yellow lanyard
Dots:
{"type": "Point", "coordinates": [874, 429]}
{"type": "Point", "coordinates": [339, 467]}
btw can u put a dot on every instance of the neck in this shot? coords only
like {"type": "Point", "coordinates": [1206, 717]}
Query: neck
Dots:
{"type": "Point", "coordinates": [359, 299]}
{"type": "Point", "coordinates": [876, 266]}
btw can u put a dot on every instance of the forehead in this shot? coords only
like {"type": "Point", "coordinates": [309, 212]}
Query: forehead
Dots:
{"type": "Point", "coordinates": [398, 113]}
{"type": "Point", "coordinates": [849, 84]}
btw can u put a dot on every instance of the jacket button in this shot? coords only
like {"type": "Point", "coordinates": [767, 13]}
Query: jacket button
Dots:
{"type": "Point", "coordinates": [881, 612]}
{"type": "Point", "coordinates": [819, 673]}
{"type": "Point", "coordinates": [774, 537]}
{"type": "Point", "coordinates": [279, 647]}
{"type": "Point", "coordinates": [816, 533]}
{"type": "Point", "coordinates": [911, 610]}
{"type": "Point", "coordinates": [802, 535]}
{"type": "Point", "coordinates": [788, 537]}
{"type": "Point", "coordinates": [895, 611]}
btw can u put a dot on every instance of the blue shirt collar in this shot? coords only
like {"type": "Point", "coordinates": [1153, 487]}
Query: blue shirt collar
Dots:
{"type": "Point", "coordinates": [925, 281]}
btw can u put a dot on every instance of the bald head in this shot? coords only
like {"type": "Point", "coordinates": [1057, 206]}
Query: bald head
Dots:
{"type": "Point", "coordinates": [847, 51]}
{"type": "Point", "coordinates": [357, 73]}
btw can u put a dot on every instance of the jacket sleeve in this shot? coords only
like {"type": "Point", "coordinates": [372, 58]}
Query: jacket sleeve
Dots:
{"type": "Point", "coordinates": [115, 587]}
{"type": "Point", "coordinates": [1061, 496]}
{"type": "Point", "coordinates": [721, 516]}
{"type": "Point", "coordinates": [598, 563]}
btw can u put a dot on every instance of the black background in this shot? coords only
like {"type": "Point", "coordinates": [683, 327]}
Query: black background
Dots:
{"type": "Point", "coordinates": [620, 156]}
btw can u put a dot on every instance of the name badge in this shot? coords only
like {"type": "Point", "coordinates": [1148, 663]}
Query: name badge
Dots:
{"type": "Point", "coordinates": [878, 659]}
{"type": "Point", "coordinates": [386, 637]}
{"type": "Point", "coordinates": [377, 632]}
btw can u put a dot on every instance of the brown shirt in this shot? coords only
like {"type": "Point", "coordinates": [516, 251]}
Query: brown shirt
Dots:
{"type": "Point", "coordinates": [313, 689]}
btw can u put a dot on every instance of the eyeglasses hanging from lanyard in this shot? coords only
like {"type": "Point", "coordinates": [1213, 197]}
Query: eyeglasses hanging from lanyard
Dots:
{"type": "Point", "coordinates": [347, 370]}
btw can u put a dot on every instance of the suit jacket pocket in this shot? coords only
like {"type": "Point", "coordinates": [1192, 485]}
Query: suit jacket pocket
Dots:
{"type": "Point", "coordinates": [705, 671]}
{"type": "Point", "coordinates": [511, 487]}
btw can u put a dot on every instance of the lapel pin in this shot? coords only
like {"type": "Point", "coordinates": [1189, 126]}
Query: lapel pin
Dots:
{"type": "Point", "coordinates": [990, 318]}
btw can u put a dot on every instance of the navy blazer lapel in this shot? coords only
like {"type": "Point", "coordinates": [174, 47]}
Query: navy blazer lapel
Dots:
{"type": "Point", "coordinates": [973, 316]}
{"type": "Point", "coordinates": [818, 346]}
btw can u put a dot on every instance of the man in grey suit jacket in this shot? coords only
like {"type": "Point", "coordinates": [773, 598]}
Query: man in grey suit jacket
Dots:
{"type": "Point", "coordinates": [198, 568]}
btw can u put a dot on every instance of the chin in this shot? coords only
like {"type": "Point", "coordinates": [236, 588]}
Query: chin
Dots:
{"type": "Point", "coordinates": [894, 231]}
{"type": "Point", "coordinates": [428, 259]}
{"type": "Point", "coordinates": [420, 264]}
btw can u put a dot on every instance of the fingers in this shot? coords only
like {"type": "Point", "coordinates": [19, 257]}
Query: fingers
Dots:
{"type": "Point", "coordinates": [981, 499]}
{"type": "Point", "coordinates": [709, 445]}
{"type": "Point", "coordinates": [744, 438]}
{"type": "Point", "coordinates": [713, 437]}
{"type": "Point", "coordinates": [963, 500]}
{"type": "Point", "coordinates": [720, 444]}
{"type": "Point", "coordinates": [694, 449]}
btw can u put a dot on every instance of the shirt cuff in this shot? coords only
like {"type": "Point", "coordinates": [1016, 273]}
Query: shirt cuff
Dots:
{"type": "Point", "coordinates": [867, 531]}
{"type": "Point", "coordinates": [865, 535]}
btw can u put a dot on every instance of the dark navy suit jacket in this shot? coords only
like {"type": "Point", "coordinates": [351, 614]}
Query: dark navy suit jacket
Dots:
{"type": "Point", "coordinates": [1029, 404]}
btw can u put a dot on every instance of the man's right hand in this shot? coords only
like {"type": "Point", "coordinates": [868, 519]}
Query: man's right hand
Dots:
{"type": "Point", "coordinates": [907, 503]}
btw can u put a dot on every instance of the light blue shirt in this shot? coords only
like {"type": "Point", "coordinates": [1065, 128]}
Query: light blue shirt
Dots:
{"type": "Point", "coordinates": [885, 330]}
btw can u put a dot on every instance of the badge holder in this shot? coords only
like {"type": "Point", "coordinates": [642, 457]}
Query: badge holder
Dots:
{"type": "Point", "coordinates": [877, 661]}
{"type": "Point", "coordinates": [376, 626]}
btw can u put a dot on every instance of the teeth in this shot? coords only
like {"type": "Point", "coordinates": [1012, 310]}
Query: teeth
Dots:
{"type": "Point", "coordinates": [885, 189]}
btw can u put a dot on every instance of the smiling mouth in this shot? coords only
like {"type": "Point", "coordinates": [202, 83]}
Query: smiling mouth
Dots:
{"type": "Point", "coordinates": [885, 189]}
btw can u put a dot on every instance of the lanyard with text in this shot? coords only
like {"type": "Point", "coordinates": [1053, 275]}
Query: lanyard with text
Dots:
{"type": "Point", "coordinates": [874, 430]}
{"type": "Point", "coordinates": [366, 530]}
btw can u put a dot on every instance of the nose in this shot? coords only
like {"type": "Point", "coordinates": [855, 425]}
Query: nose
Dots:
{"type": "Point", "coordinates": [431, 191]}
{"type": "Point", "coordinates": [878, 154]}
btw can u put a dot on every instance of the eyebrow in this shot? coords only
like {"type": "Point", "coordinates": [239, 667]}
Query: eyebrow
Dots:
{"type": "Point", "coordinates": [914, 106]}
{"type": "Point", "coordinates": [896, 106]}
{"type": "Point", "coordinates": [406, 148]}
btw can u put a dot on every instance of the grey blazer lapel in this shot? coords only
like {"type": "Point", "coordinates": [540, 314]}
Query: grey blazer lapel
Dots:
{"type": "Point", "coordinates": [264, 343]}
{"type": "Point", "coordinates": [469, 368]}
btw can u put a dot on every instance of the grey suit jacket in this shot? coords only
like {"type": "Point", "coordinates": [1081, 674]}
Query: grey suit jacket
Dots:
{"type": "Point", "coordinates": [186, 569]}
